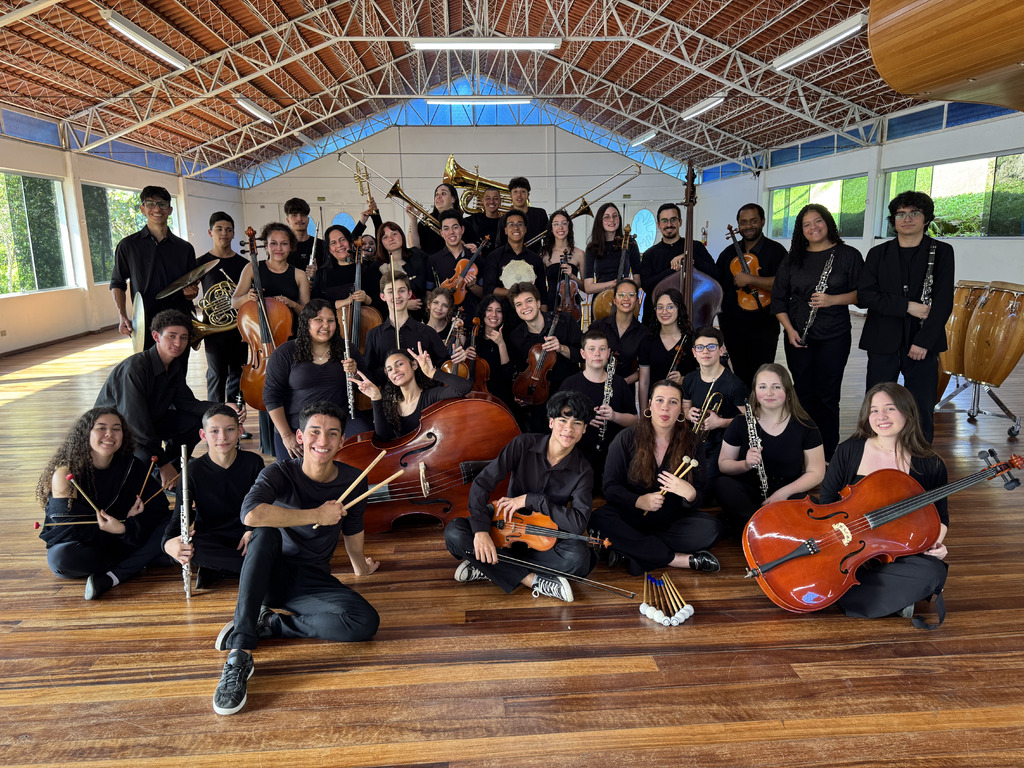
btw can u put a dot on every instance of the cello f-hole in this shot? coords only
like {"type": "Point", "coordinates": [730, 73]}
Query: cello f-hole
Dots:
{"type": "Point", "coordinates": [431, 442]}
{"type": "Point", "coordinates": [837, 513]}
{"type": "Point", "coordinates": [842, 563]}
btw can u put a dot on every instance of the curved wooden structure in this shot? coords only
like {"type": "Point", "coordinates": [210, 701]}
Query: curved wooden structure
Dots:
{"type": "Point", "coordinates": [950, 50]}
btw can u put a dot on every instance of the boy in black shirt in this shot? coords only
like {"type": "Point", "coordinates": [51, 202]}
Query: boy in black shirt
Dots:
{"type": "Point", "coordinates": [218, 483]}
{"type": "Point", "coordinates": [297, 519]}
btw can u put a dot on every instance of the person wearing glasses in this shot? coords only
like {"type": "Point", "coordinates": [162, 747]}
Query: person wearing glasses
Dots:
{"type": "Point", "coordinates": [151, 259]}
{"type": "Point", "coordinates": [604, 252]}
{"type": "Point", "coordinates": [752, 334]}
{"type": "Point", "coordinates": [664, 258]}
{"type": "Point", "coordinates": [625, 333]}
{"type": "Point", "coordinates": [905, 329]}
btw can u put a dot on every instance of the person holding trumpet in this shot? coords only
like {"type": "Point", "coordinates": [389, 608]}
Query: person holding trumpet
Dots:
{"type": "Point", "coordinates": [653, 481]}
{"type": "Point", "coordinates": [297, 510]}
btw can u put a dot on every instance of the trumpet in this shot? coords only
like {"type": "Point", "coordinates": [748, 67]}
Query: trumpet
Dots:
{"type": "Point", "coordinates": [218, 313]}
{"type": "Point", "coordinates": [712, 403]}
{"type": "Point", "coordinates": [461, 178]}
{"type": "Point", "coordinates": [395, 191]}
{"type": "Point", "coordinates": [362, 180]}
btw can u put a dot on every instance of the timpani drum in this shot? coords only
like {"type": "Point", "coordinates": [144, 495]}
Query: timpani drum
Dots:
{"type": "Point", "coordinates": [995, 334]}
{"type": "Point", "coordinates": [965, 299]}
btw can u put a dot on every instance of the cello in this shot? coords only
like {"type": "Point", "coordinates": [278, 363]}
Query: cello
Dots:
{"type": "Point", "coordinates": [479, 369]}
{"type": "Point", "coordinates": [455, 440]}
{"type": "Point", "coordinates": [531, 387]}
{"type": "Point", "coordinates": [264, 324]}
{"type": "Point", "coordinates": [457, 369]}
{"type": "Point", "coordinates": [363, 320]}
{"type": "Point", "coordinates": [805, 555]}
{"type": "Point", "coordinates": [748, 297]}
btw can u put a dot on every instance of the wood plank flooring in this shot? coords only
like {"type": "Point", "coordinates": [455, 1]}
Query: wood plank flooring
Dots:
{"type": "Point", "coordinates": [460, 675]}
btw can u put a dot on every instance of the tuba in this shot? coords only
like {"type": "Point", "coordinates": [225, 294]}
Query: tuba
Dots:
{"type": "Point", "coordinates": [474, 184]}
{"type": "Point", "coordinates": [218, 314]}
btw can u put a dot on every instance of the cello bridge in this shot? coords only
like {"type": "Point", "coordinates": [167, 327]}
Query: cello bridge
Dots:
{"type": "Point", "coordinates": [843, 531]}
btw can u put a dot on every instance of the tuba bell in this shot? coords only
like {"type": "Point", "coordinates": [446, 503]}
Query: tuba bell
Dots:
{"type": "Point", "coordinates": [475, 185]}
{"type": "Point", "coordinates": [218, 314]}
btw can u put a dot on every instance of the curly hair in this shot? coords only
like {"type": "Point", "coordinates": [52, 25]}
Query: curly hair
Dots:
{"type": "Point", "coordinates": [304, 342]}
{"type": "Point", "coordinates": [75, 454]}
{"type": "Point", "coordinates": [798, 248]}
{"type": "Point", "coordinates": [391, 395]}
{"type": "Point", "coordinates": [643, 469]}
{"type": "Point", "coordinates": [548, 245]}
{"type": "Point", "coordinates": [792, 405]}
{"type": "Point", "coordinates": [912, 199]}
{"type": "Point", "coordinates": [911, 441]}
{"type": "Point", "coordinates": [277, 226]}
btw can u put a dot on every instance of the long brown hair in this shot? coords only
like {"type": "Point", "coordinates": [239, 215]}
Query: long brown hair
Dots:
{"type": "Point", "coordinates": [792, 405]}
{"type": "Point", "coordinates": [910, 441]}
{"type": "Point", "coordinates": [643, 469]}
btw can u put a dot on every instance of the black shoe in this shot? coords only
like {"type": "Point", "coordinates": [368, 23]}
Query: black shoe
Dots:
{"type": "Point", "coordinates": [704, 561]}
{"type": "Point", "coordinates": [245, 435]}
{"type": "Point", "coordinates": [96, 585]}
{"type": "Point", "coordinates": [230, 695]}
{"type": "Point", "coordinates": [264, 629]}
{"type": "Point", "coordinates": [209, 577]}
{"type": "Point", "coordinates": [614, 558]}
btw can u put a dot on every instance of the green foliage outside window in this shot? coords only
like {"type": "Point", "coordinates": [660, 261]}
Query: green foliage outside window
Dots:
{"type": "Point", "coordinates": [31, 240]}
{"type": "Point", "coordinates": [846, 199]}
{"type": "Point", "coordinates": [110, 215]}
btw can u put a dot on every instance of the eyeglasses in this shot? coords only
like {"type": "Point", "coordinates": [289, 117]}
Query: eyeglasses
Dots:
{"type": "Point", "coordinates": [665, 307]}
{"type": "Point", "coordinates": [623, 295]}
{"type": "Point", "coordinates": [515, 225]}
{"type": "Point", "coordinates": [708, 347]}
{"type": "Point", "coordinates": [150, 205]}
{"type": "Point", "coordinates": [908, 215]}
{"type": "Point", "coordinates": [673, 220]}
{"type": "Point", "coordinates": [610, 217]}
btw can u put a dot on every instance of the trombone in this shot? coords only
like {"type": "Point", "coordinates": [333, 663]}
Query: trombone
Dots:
{"type": "Point", "coordinates": [395, 190]}
{"type": "Point", "coordinates": [633, 169]}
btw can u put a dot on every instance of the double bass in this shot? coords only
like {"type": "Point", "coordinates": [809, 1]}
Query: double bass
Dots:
{"type": "Point", "coordinates": [748, 297]}
{"type": "Point", "coordinates": [265, 324]}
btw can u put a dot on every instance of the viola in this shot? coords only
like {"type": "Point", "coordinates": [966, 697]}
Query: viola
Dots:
{"type": "Point", "coordinates": [604, 302]}
{"type": "Point", "coordinates": [531, 387]}
{"type": "Point", "coordinates": [479, 369]}
{"type": "Point", "coordinates": [749, 298]}
{"type": "Point", "coordinates": [265, 324]}
{"type": "Point", "coordinates": [805, 555]}
{"type": "Point", "coordinates": [534, 529]}
{"type": "Point", "coordinates": [464, 269]}
{"type": "Point", "coordinates": [569, 292]}
{"type": "Point", "coordinates": [455, 440]}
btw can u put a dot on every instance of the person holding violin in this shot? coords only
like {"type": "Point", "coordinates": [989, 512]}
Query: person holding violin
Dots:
{"type": "Point", "coordinates": [791, 453]}
{"type": "Point", "coordinates": [97, 453]}
{"type": "Point", "coordinates": [664, 258]}
{"type": "Point", "coordinates": [604, 252]}
{"type": "Point", "coordinates": [751, 330]}
{"type": "Point", "coordinates": [280, 280]}
{"type": "Point", "coordinates": [555, 349]}
{"type": "Point", "coordinates": [652, 516]}
{"type": "Point", "coordinates": [308, 253]}
{"type": "Point", "coordinates": [546, 474]}
{"type": "Point", "coordinates": [817, 322]}
{"type": "Point", "coordinates": [888, 436]}
{"type": "Point", "coordinates": [561, 257]}
{"type": "Point", "coordinates": [392, 253]}
{"type": "Point", "coordinates": [492, 348]}
{"type": "Point", "coordinates": [335, 280]}
{"type": "Point", "coordinates": [413, 384]}
{"type": "Point", "coordinates": [668, 354]}
{"type": "Point", "coordinates": [308, 369]}
{"type": "Point", "coordinates": [452, 259]}
{"type": "Point", "coordinates": [625, 333]}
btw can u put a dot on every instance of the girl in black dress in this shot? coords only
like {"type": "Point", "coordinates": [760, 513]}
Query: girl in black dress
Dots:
{"type": "Point", "coordinates": [559, 243]}
{"type": "Point", "coordinates": [674, 334]}
{"type": "Point", "coordinates": [280, 279]}
{"type": "Point", "coordinates": [335, 281]}
{"type": "Point", "coordinates": [411, 261]}
{"type": "Point", "coordinates": [492, 347]}
{"type": "Point", "coordinates": [604, 251]}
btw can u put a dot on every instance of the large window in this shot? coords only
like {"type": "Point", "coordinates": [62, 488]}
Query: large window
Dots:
{"type": "Point", "coordinates": [973, 198]}
{"type": "Point", "coordinates": [110, 214]}
{"type": "Point", "coordinates": [32, 252]}
{"type": "Point", "coordinates": [845, 198]}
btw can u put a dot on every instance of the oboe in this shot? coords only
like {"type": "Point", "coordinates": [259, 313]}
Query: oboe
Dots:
{"type": "Point", "coordinates": [929, 279]}
{"type": "Point", "coordinates": [819, 288]}
{"type": "Point", "coordinates": [186, 532]}
{"type": "Point", "coordinates": [755, 442]}
{"type": "Point", "coordinates": [610, 370]}
{"type": "Point", "coordinates": [348, 356]}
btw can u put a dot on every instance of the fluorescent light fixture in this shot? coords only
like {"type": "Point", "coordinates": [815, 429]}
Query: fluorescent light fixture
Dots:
{"type": "Point", "coordinates": [254, 109]}
{"type": "Point", "coordinates": [644, 139]}
{"type": "Point", "coordinates": [484, 43]}
{"type": "Point", "coordinates": [701, 107]}
{"type": "Point", "coordinates": [847, 29]}
{"type": "Point", "coordinates": [142, 38]}
{"type": "Point", "coordinates": [476, 101]}
{"type": "Point", "coordinates": [305, 140]}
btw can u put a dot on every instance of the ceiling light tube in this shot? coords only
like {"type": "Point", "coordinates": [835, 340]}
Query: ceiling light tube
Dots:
{"type": "Point", "coordinates": [644, 139]}
{"type": "Point", "coordinates": [254, 109]}
{"type": "Point", "coordinates": [484, 43]}
{"type": "Point", "coordinates": [476, 101]}
{"type": "Point", "coordinates": [843, 31]}
{"type": "Point", "coordinates": [306, 140]}
{"type": "Point", "coordinates": [142, 38]}
{"type": "Point", "coordinates": [701, 107]}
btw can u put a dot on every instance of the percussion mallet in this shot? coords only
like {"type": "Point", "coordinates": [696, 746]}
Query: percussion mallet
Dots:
{"type": "Point", "coordinates": [687, 608]}
{"type": "Point", "coordinates": [162, 488]}
{"type": "Point", "coordinates": [643, 605]}
{"type": "Point", "coordinates": [152, 463]}
{"type": "Point", "coordinates": [37, 525]}
{"type": "Point", "coordinates": [364, 473]}
{"type": "Point", "coordinates": [71, 479]}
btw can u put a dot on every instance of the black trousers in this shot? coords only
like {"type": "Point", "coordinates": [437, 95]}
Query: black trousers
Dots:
{"type": "Point", "coordinates": [886, 588]}
{"type": "Point", "coordinates": [751, 343]}
{"type": "Point", "coordinates": [567, 556]}
{"type": "Point", "coordinates": [323, 607]}
{"type": "Point", "coordinates": [651, 541]}
{"type": "Point", "coordinates": [178, 428]}
{"type": "Point", "coordinates": [817, 371]}
{"type": "Point", "coordinates": [223, 373]}
{"type": "Point", "coordinates": [740, 497]}
{"type": "Point", "coordinates": [217, 552]}
{"type": "Point", "coordinates": [920, 377]}
{"type": "Point", "coordinates": [75, 560]}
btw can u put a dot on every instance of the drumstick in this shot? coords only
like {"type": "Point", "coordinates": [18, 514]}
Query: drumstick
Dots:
{"type": "Point", "coordinates": [686, 459]}
{"type": "Point", "coordinates": [362, 474]}
{"type": "Point", "coordinates": [375, 488]}
{"type": "Point", "coordinates": [71, 479]}
{"type": "Point", "coordinates": [37, 525]}
{"type": "Point", "coordinates": [163, 488]}
{"type": "Point", "coordinates": [152, 463]}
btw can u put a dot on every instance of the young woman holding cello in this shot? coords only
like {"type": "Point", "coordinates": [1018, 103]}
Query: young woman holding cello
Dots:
{"type": "Point", "coordinates": [652, 514]}
{"type": "Point", "coordinates": [336, 280]}
{"type": "Point", "coordinates": [604, 252]}
{"type": "Point", "coordinates": [561, 257]}
{"type": "Point", "coordinates": [492, 349]}
{"type": "Point", "coordinates": [668, 354]}
{"type": "Point", "coordinates": [889, 436]}
{"type": "Point", "coordinates": [280, 279]}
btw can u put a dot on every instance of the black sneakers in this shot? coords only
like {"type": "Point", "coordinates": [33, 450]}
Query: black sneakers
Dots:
{"type": "Point", "coordinates": [552, 586]}
{"type": "Point", "coordinates": [264, 629]}
{"type": "Point", "coordinates": [230, 694]}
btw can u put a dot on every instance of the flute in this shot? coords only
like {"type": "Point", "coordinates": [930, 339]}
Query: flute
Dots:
{"type": "Point", "coordinates": [610, 370]}
{"type": "Point", "coordinates": [348, 356]}
{"type": "Point", "coordinates": [186, 534]}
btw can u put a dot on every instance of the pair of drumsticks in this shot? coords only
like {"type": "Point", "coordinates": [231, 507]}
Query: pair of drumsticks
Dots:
{"type": "Point", "coordinates": [364, 473]}
{"type": "Point", "coordinates": [681, 471]}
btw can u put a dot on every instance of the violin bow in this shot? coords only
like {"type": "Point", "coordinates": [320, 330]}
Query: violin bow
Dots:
{"type": "Point", "coordinates": [572, 577]}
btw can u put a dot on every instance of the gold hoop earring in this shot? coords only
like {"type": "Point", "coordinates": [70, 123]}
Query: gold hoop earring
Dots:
{"type": "Point", "coordinates": [680, 419]}
{"type": "Point", "coordinates": [647, 413]}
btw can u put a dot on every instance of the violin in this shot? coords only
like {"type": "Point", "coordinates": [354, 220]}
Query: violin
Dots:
{"type": "Point", "coordinates": [459, 369]}
{"type": "Point", "coordinates": [531, 387]}
{"type": "Point", "coordinates": [749, 298]}
{"type": "Point", "coordinates": [455, 440]}
{"type": "Point", "coordinates": [265, 324]}
{"type": "Point", "coordinates": [604, 302]}
{"type": "Point", "coordinates": [569, 292]}
{"type": "Point", "coordinates": [805, 555]}
{"type": "Point", "coordinates": [464, 269]}
{"type": "Point", "coordinates": [534, 529]}
{"type": "Point", "coordinates": [479, 369]}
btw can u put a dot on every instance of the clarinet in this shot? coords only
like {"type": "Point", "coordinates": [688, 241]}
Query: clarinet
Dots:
{"type": "Point", "coordinates": [929, 279]}
{"type": "Point", "coordinates": [186, 533]}
{"type": "Point", "coordinates": [819, 288]}
{"type": "Point", "coordinates": [610, 370]}
{"type": "Point", "coordinates": [348, 355]}
{"type": "Point", "coordinates": [755, 442]}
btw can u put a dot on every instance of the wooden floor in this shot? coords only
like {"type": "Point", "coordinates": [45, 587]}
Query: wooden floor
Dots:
{"type": "Point", "coordinates": [460, 675]}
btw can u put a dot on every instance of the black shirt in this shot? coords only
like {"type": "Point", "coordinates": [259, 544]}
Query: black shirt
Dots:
{"type": "Point", "coordinates": [227, 269]}
{"type": "Point", "coordinates": [293, 386]}
{"type": "Point", "coordinates": [536, 224]}
{"type": "Point", "coordinates": [454, 386]}
{"type": "Point", "coordinates": [499, 258]}
{"type": "Point", "coordinates": [381, 340]}
{"type": "Point", "coordinates": [563, 492]}
{"type": "Point", "coordinates": [605, 266]}
{"type": "Point", "coordinates": [151, 266]}
{"type": "Point", "coordinates": [782, 455]}
{"type": "Point", "coordinates": [626, 347]}
{"type": "Point", "coordinates": [217, 495]}
{"type": "Point", "coordinates": [622, 401]}
{"type": "Point", "coordinates": [522, 339]}
{"type": "Point", "coordinates": [284, 485]}
{"type": "Point", "coordinates": [311, 247]}
{"type": "Point", "coordinates": [660, 359]}
{"type": "Point", "coordinates": [483, 227]}
{"type": "Point", "coordinates": [655, 267]}
{"type": "Point", "coordinates": [794, 286]}
{"type": "Point", "coordinates": [734, 397]}
{"type": "Point", "coordinates": [622, 493]}
{"type": "Point", "coordinates": [769, 257]}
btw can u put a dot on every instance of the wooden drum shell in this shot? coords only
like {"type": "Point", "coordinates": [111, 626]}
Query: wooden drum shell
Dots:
{"type": "Point", "coordinates": [995, 334]}
{"type": "Point", "coordinates": [965, 299]}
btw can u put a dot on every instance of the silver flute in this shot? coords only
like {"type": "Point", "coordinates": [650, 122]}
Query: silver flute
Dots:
{"type": "Point", "coordinates": [819, 288]}
{"type": "Point", "coordinates": [610, 370]}
{"type": "Point", "coordinates": [186, 529]}
{"type": "Point", "coordinates": [755, 442]}
{"type": "Point", "coordinates": [348, 356]}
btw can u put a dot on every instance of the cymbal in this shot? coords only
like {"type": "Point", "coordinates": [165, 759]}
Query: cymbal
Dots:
{"type": "Point", "coordinates": [188, 278]}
